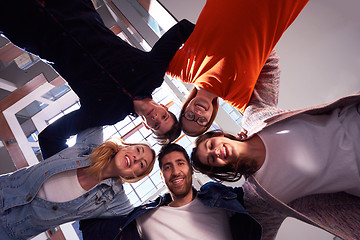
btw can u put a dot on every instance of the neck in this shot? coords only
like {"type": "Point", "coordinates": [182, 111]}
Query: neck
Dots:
{"type": "Point", "coordinates": [86, 181]}
{"type": "Point", "coordinates": [205, 93]}
{"type": "Point", "coordinates": [139, 104]}
{"type": "Point", "coordinates": [179, 201]}
{"type": "Point", "coordinates": [255, 150]}
{"type": "Point", "coordinates": [108, 171]}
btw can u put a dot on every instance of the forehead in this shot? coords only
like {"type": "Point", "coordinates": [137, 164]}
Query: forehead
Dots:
{"type": "Point", "coordinates": [165, 126]}
{"type": "Point", "coordinates": [202, 151]}
{"type": "Point", "coordinates": [172, 158]}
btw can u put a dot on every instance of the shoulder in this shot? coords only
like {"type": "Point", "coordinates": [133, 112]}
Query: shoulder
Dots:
{"type": "Point", "coordinates": [218, 188]}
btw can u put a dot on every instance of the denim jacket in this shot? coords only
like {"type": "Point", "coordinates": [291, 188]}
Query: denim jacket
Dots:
{"type": "Point", "coordinates": [242, 225]}
{"type": "Point", "coordinates": [23, 215]}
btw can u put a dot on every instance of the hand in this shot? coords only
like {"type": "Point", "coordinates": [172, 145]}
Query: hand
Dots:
{"type": "Point", "coordinates": [243, 134]}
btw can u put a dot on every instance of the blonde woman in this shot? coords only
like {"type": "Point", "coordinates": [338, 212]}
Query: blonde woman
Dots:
{"type": "Point", "coordinates": [83, 181]}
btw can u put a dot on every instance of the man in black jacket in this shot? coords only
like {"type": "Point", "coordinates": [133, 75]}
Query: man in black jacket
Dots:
{"type": "Point", "coordinates": [111, 78]}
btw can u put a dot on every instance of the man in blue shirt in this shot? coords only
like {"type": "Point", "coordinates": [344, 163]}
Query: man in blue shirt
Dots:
{"type": "Point", "coordinates": [215, 212]}
{"type": "Point", "coordinates": [111, 78]}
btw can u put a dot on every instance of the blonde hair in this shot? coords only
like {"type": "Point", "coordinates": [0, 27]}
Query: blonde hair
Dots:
{"type": "Point", "coordinates": [103, 154]}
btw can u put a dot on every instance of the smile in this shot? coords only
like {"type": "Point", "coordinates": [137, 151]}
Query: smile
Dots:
{"type": "Point", "coordinates": [127, 160]}
{"type": "Point", "coordinates": [201, 107]}
{"type": "Point", "coordinates": [225, 152]}
{"type": "Point", "coordinates": [177, 181]}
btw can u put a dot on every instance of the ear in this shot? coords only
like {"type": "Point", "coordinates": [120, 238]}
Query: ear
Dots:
{"type": "Point", "coordinates": [164, 106]}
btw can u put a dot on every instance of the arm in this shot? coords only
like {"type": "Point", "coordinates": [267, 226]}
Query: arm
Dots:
{"type": "Point", "coordinates": [91, 136]}
{"type": "Point", "coordinates": [166, 47]}
{"type": "Point", "coordinates": [53, 138]}
{"type": "Point", "coordinates": [108, 229]}
{"type": "Point", "coordinates": [264, 100]}
{"type": "Point", "coordinates": [266, 91]}
{"type": "Point", "coordinates": [269, 217]}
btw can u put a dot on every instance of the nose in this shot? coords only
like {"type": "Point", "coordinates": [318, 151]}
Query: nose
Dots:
{"type": "Point", "coordinates": [154, 116]}
{"type": "Point", "coordinates": [198, 111]}
{"type": "Point", "coordinates": [175, 171]}
{"type": "Point", "coordinates": [217, 152]}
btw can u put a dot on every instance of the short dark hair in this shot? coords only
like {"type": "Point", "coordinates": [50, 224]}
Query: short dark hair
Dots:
{"type": "Point", "coordinates": [169, 148]}
{"type": "Point", "coordinates": [172, 134]}
{"type": "Point", "coordinates": [229, 173]}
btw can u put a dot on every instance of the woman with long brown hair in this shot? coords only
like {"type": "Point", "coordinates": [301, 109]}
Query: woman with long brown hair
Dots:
{"type": "Point", "coordinates": [302, 163]}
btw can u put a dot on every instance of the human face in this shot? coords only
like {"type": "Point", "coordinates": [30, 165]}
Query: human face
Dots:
{"type": "Point", "coordinates": [218, 151]}
{"type": "Point", "coordinates": [133, 161]}
{"type": "Point", "coordinates": [157, 117]}
{"type": "Point", "coordinates": [177, 174]}
{"type": "Point", "coordinates": [197, 114]}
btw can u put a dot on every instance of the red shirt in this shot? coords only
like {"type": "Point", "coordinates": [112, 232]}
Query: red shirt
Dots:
{"type": "Point", "coordinates": [230, 44]}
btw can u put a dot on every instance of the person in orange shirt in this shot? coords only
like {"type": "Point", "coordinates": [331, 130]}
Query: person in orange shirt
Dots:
{"type": "Point", "coordinates": [225, 53]}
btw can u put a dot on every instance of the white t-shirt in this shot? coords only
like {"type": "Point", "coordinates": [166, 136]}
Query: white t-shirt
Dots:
{"type": "Point", "coordinates": [61, 187]}
{"type": "Point", "coordinates": [312, 154]}
{"type": "Point", "coordinates": [192, 221]}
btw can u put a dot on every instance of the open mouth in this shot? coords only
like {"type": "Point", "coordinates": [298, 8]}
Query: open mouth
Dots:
{"type": "Point", "coordinates": [177, 181]}
{"type": "Point", "coordinates": [225, 152]}
{"type": "Point", "coordinates": [127, 160]}
{"type": "Point", "coordinates": [202, 107]}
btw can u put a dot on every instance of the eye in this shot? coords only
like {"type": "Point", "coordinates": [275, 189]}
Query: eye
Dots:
{"type": "Point", "coordinates": [189, 115]}
{"type": "Point", "coordinates": [211, 146]}
{"type": "Point", "coordinates": [163, 116]}
{"type": "Point", "coordinates": [138, 150]}
{"type": "Point", "coordinates": [202, 121]}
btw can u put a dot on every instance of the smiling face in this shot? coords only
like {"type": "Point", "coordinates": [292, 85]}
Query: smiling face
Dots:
{"type": "Point", "coordinates": [133, 161]}
{"type": "Point", "coordinates": [218, 151]}
{"type": "Point", "coordinates": [197, 114]}
{"type": "Point", "coordinates": [177, 174]}
{"type": "Point", "coordinates": [155, 116]}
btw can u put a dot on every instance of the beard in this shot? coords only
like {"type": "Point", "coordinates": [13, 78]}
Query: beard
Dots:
{"type": "Point", "coordinates": [181, 191]}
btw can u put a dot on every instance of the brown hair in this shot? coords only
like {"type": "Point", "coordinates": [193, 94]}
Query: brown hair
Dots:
{"type": "Point", "coordinates": [231, 172]}
{"type": "Point", "coordinates": [215, 104]}
{"type": "Point", "coordinates": [169, 148]}
{"type": "Point", "coordinates": [103, 154]}
{"type": "Point", "coordinates": [170, 135]}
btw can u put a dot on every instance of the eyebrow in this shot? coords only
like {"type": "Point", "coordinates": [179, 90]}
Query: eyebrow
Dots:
{"type": "Point", "coordinates": [206, 144]}
{"type": "Point", "coordinates": [206, 148]}
{"type": "Point", "coordinates": [180, 160]}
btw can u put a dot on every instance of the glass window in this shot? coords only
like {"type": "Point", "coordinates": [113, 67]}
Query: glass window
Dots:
{"type": "Point", "coordinates": [26, 60]}
{"type": "Point", "coordinates": [30, 110]}
{"type": "Point", "coordinates": [56, 92]}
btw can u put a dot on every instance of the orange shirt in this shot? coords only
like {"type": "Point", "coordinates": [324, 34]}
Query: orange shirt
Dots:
{"type": "Point", "coordinates": [230, 44]}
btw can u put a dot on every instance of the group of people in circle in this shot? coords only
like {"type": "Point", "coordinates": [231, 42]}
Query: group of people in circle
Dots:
{"type": "Point", "coordinates": [289, 158]}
